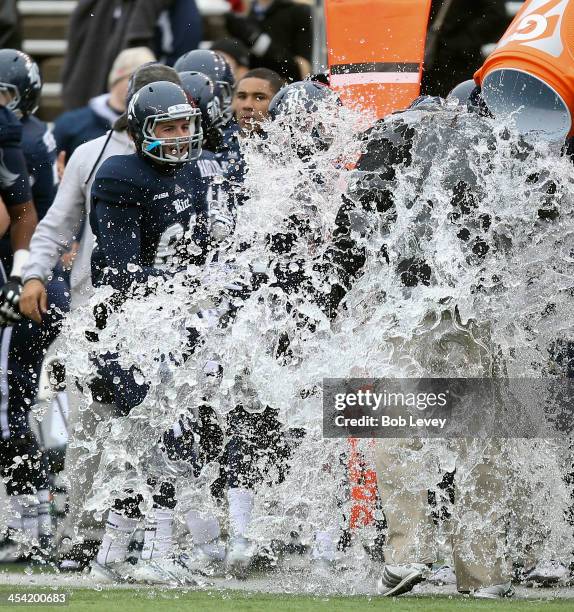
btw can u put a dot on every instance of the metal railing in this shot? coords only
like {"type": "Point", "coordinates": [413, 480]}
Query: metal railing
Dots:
{"type": "Point", "coordinates": [65, 7]}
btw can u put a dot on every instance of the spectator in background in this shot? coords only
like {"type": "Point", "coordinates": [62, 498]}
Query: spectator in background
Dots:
{"type": "Point", "coordinates": [236, 54]}
{"type": "Point", "coordinates": [100, 29]}
{"type": "Point", "coordinates": [458, 31]}
{"type": "Point", "coordinates": [278, 34]}
{"type": "Point", "coordinates": [180, 29]}
{"type": "Point", "coordinates": [75, 127]}
{"type": "Point", "coordinates": [10, 34]}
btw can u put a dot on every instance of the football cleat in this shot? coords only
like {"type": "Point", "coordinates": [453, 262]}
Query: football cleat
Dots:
{"type": "Point", "coordinates": [9, 548]}
{"type": "Point", "coordinates": [79, 556]}
{"type": "Point", "coordinates": [399, 579]}
{"type": "Point", "coordinates": [240, 553]}
{"type": "Point", "coordinates": [206, 560]}
{"type": "Point", "coordinates": [111, 573]}
{"type": "Point", "coordinates": [169, 571]}
{"type": "Point", "coordinates": [443, 575]}
{"type": "Point", "coordinates": [546, 573]}
{"type": "Point", "coordinates": [496, 591]}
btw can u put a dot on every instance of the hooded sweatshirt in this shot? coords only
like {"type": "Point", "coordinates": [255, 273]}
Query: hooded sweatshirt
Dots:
{"type": "Point", "coordinates": [66, 219]}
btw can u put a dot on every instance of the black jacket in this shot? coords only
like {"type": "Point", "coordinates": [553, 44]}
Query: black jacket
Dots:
{"type": "Point", "coordinates": [289, 26]}
{"type": "Point", "coordinates": [371, 202]}
{"type": "Point", "coordinates": [98, 31]}
{"type": "Point", "coordinates": [10, 34]}
{"type": "Point", "coordinates": [469, 24]}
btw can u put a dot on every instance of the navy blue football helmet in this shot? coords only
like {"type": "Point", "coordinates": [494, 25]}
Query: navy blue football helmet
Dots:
{"type": "Point", "coordinates": [20, 80]}
{"type": "Point", "coordinates": [160, 102]}
{"type": "Point", "coordinates": [462, 92]}
{"type": "Point", "coordinates": [305, 107]}
{"type": "Point", "coordinates": [201, 91]}
{"type": "Point", "coordinates": [302, 97]}
{"type": "Point", "coordinates": [217, 69]}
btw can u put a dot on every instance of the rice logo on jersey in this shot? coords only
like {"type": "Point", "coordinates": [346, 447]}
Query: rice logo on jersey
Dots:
{"type": "Point", "coordinates": [182, 204]}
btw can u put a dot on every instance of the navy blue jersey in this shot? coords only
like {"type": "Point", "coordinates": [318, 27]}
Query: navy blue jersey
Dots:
{"type": "Point", "coordinates": [210, 166]}
{"type": "Point", "coordinates": [139, 215]}
{"type": "Point", "coordinates": [39, 149]}
{"type": "Point", "coordinates": [213, 171]}
{"type": "Point", "coordinates": [231, 151]}
{"type": "Point", "coordinates": [234, 190]}
{"type": "Point", "coordinates": [14, 181]}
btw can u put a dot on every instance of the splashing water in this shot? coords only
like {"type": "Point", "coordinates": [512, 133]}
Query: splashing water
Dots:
{"type": "Point", "coordinates": [468, 247]}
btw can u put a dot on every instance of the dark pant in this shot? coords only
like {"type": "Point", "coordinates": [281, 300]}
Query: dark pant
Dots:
{"type": "Point", "coordinates": [22, 350]}
{"type": "Point", "coordinates": [23, 465]}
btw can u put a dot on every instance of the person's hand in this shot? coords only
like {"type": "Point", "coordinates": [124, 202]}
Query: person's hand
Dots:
{"type": "Point", "coordinates": [34, 300]}
{"type": "Point", "coordinates": [244, 28]}
{"type": "Point", "coordinates": [61, 164]}
{"type": "Point", "coordinates": [68, 258]}
{"type": "Point", "coordinates": [9, 298]}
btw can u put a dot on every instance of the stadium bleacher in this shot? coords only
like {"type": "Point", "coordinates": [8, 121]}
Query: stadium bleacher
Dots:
{"type": "Point", "coordinates": [44, 24]}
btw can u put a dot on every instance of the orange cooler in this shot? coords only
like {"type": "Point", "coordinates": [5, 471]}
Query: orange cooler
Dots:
{"type": "Point", "coordinates": [375, 51]}
{"type": "Point", "coordinates": [530, 74]}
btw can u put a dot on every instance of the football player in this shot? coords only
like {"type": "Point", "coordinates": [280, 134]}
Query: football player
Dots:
{"type": "Point", "coordinates": [208, 551]}
{"type": "Point", "coordinates": [213, 162]}
{"type": "Point", "coordinates": [252, 97]}
{"type": "Point", "coordinates": [410, 550]}
{"type": "Point", "coordinates": [157, 197]}
{"type": "Point", "coordinates": [257, 438]}
{"type": "Point", "coordinates": [216, 67]}
{"type": "Point", "coordinates": [25, 343]}
{"type": "Point", "coordinates": [64, 223]}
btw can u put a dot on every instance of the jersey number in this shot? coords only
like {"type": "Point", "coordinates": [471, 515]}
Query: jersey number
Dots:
{"type": "Point", "coordinates": [167, 245]}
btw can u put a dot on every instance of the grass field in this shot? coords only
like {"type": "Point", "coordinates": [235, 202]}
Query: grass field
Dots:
{"type": "Point", "coordinates": [254, 595]}
{"type": "Point", "coordinates": [150, 600]}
